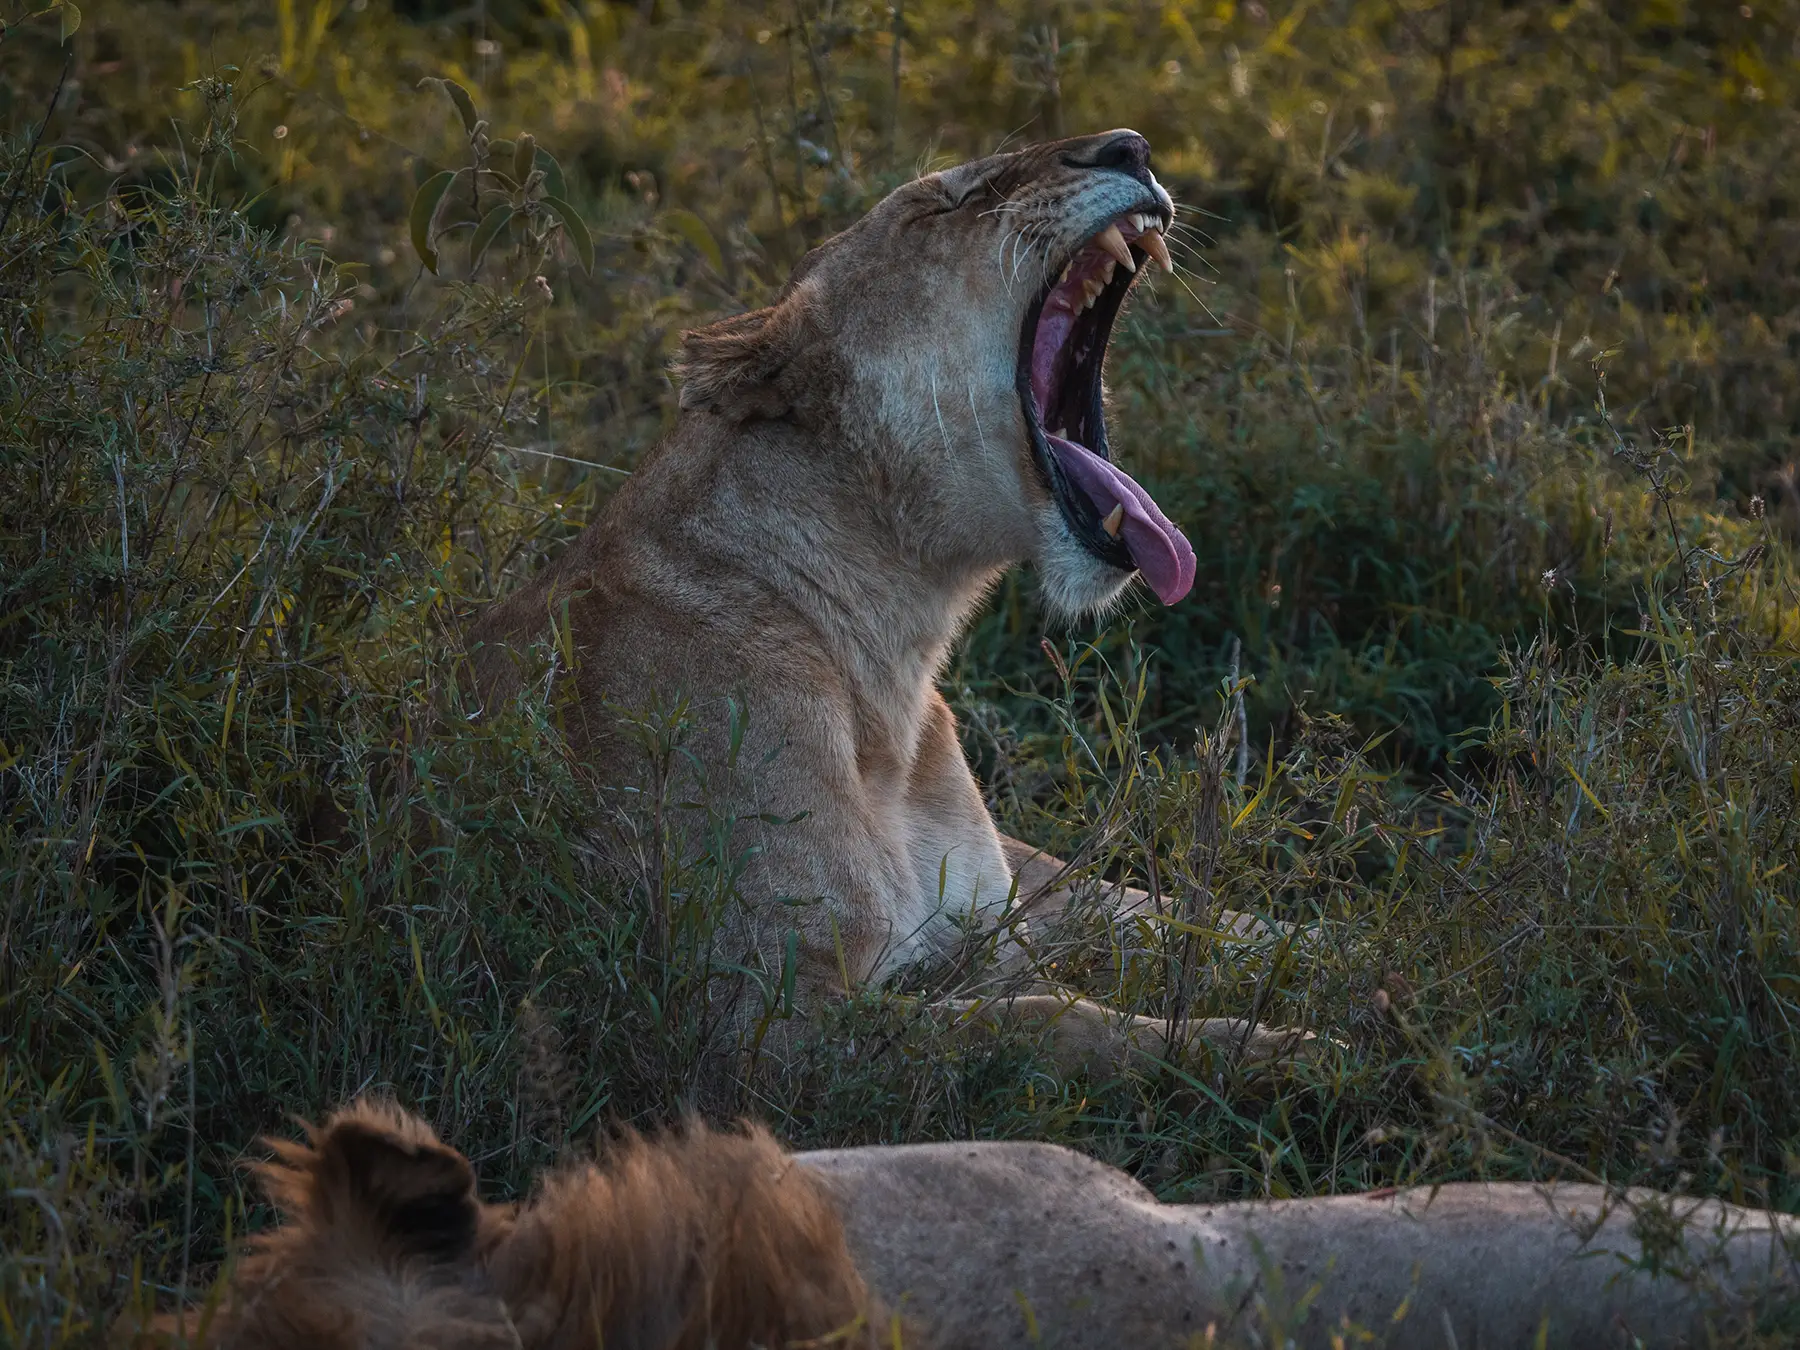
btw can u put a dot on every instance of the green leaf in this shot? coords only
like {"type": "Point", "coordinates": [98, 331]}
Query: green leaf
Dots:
{"type": "Point", "coordinates": [577, 232]}
{"type": "Point", "coordinates": [790, 969]}
{"type": "Point", "coordinates": [693, 229]}
{"type": "Point", "coordinates": [71, 20]}
{"type": "Point", "coordinates": [554, 184]}
{"type": "Point", "coordinates": [424, 211]}
{"type": "Point", "coordinates": [524, 156]}
{"type": "Point", "coordinates": [465, 106]}
{"type": "Point", "coordinates": [486, 232]}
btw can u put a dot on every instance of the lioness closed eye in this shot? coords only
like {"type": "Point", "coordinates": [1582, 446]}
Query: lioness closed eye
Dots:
{"type": "Point", "coordinates": [851, 471]}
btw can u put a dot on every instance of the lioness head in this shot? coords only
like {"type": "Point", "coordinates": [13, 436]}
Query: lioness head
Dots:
{"type": "Point", "coordinates": [954, 336]}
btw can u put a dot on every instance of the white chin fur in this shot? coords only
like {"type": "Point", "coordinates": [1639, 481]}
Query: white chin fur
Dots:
{"type": "Point", "coordinates": [1075, 583]}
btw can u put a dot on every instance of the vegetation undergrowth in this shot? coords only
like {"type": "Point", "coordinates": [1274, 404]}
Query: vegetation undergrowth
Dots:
{"type": "Point", "coordinates": [1490, 690]}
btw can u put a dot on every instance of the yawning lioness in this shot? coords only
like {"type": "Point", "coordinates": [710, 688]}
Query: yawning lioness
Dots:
{"type": "Point", "coordinates": [852, 469]}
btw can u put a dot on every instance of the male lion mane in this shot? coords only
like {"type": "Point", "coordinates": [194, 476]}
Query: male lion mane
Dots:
{"type": "Point", "coordinates": [695, 1239]}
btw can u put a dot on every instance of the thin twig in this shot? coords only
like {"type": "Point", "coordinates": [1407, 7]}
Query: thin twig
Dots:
{"type": "Point", "coordinates": [31, 153]}
{"type": "Point", "coordinates": [893, 136]}
{"type": "Point", "coordinates": [768, 159]}
{"type": "Point", "coordinates": [819, 81]}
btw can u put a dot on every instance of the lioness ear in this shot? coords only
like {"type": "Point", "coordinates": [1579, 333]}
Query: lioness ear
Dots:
{"type": "Point", "coordinates": [381, 1176]}
{"type": "Point", "coordinates": [734, 365]}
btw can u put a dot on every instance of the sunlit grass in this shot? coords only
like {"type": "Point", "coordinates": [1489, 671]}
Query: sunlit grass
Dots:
{"type": "Point", "coordinates": [1494, 699]}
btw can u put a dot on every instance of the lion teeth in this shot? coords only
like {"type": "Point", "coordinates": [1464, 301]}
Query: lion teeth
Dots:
{"type": "Point", "coordinates": [1065, 272]}
{"type": "Point", "coordinates": [1090, 290]}
{"type": "Point", "coordinates": [1106, 272]}
{"type": "Point", "coordinates": [1061, 433]}
{"type": "Point", "coordinates": [1151, 241]}
{"type": "Point", "coordinates": [1113, 242]}
{"type": "Point", "coordinates": [1114, 519]}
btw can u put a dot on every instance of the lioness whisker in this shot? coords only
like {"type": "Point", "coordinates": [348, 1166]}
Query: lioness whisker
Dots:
{"type": "Point", "coordinates": [1042, 231]}
{"type": "Point", "coordinates": [980, 436]}
{"type": "Point", "coordinates": [1197, 300]}
{"type": "Point", "coordinates": [1018, 245]}
{"type": "Point", "coordinates": [1199, 211]}
{"type": "Point", "coordinates": [943, 434]}
{"type": "Point", "coordinates": [1199, 238]}
{"type": "Point", "coordinates": [1017, 239]}
{"type": "Point", "coordinates": [1021, 247]}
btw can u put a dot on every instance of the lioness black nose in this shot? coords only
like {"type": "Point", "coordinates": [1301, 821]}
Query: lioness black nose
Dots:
{"type": "Point", "coordinates": [1127, 151]}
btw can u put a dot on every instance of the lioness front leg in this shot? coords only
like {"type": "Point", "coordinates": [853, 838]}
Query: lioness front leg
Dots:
{"type": "Point", "coordinates": [950, 825]}
{"type": "Point", "coordinates": [1045, 893]}
{"type": "Point", "coordinates": [1084, 1034]}
{"type": "Point", "coordinates": [1081, 1035]}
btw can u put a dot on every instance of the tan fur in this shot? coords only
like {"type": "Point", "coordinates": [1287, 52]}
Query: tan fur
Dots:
{"type": "Point", "coordinates": [724, 1241]}
{"type": "Point", "coordinates": [696, 1241]}
{"type": "Point", "coordinates": [1019, 1246]}
{"type": "Point", "coordinates": [849, 475]}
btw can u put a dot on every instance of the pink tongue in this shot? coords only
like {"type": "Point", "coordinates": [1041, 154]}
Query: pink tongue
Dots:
{"type": "Point", "coordinates": [1161, 552]}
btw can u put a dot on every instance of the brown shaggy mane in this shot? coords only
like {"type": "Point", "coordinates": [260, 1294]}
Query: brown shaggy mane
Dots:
{"type": "Point", "coordinates": [689, 1241]}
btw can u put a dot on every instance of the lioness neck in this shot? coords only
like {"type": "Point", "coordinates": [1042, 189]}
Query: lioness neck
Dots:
{"type": "Point", "coordinates": [861, 558]}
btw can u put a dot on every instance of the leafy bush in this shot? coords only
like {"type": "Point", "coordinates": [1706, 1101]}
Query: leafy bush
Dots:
{"type": "Point", "coordinates": [1493, 693]}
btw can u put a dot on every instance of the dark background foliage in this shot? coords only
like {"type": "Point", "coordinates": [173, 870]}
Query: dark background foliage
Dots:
{"type": "Point", "coordinates": [1498, 690]}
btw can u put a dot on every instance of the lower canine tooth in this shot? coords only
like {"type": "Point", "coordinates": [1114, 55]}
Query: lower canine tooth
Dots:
{"type": "Point", "coordinates": [1114, 519]}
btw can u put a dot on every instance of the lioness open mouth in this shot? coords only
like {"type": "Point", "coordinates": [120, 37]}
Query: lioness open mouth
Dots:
{"type": "Point", "coordinates": [1061, 349]}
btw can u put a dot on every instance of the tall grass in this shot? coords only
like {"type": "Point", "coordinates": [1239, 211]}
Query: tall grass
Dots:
{"type": "Point", "coordinates": [1489, 690]}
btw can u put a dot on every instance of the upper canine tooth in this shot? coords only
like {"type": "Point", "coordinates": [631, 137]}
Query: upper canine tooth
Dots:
{"type": "Point", "coordinates": [1151, 241]}
{"type": "Point", "coordinates": [1114, 519]}
{"type": "Point", "coordinates": [1113, 243]}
